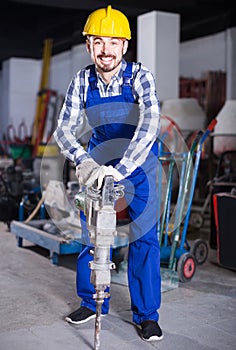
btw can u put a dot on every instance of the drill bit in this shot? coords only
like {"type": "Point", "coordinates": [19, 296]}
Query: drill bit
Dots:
{"type": "Point", "coordinates": [99, 301]}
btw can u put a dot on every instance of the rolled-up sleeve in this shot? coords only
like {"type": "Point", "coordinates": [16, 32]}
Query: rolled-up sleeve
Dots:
{"type": "Point", "coordinates": [70, 118]}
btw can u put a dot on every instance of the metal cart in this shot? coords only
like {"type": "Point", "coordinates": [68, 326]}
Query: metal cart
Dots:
{"type": "Point", "coordinates": [178, 258]}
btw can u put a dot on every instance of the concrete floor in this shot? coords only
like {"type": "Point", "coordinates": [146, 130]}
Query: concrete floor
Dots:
{"type": "Point", "coordinates": [36, 295]}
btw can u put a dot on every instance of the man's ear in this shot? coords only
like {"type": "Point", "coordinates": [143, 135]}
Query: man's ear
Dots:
{"type": "Point", "coordinates": [88, 46]}
{"type": "Point", "coordinates": [125, 46]}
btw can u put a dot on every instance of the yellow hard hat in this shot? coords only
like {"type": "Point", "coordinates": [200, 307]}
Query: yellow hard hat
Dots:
{"type": "Point", "coordinates": [107, 22]}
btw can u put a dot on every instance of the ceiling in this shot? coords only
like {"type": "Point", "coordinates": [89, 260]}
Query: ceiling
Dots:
{"type": "Point", "coordinates": [25, 24]}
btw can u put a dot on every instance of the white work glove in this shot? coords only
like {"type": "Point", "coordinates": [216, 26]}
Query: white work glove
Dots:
{"type": "Point", "coordinates": [84, 169]}
{"type": "Point", "coordinates": [89, 171]}
{"type": "Point", "coordinates": [98, 175]}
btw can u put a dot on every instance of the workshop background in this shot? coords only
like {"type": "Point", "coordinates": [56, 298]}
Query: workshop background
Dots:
{"type": "Point", "coordinates": [190, 46]}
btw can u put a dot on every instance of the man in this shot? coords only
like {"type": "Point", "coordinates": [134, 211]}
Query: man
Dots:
{"type": "Point", "coordinates": [120, 103]}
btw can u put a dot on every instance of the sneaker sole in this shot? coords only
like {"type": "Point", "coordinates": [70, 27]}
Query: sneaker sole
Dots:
{"type": "Point", "coordinates": [69, 320]}
{"type": "Point", "coordinates": [153, 338]}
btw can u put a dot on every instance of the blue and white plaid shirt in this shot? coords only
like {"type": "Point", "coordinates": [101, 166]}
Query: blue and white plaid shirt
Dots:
{"type": "Point", "coordinates": [73, 113]}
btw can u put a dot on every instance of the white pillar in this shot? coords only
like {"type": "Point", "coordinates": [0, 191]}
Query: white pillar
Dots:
{"type": "Point", "coordinates": [158, 49]}
{"type": "Point", "coordinates": [231, 63]}
{"type": "Point", "coordinates": [20, 85]}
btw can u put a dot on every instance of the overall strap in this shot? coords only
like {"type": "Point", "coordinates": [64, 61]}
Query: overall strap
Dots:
{"type": "Point", "coordinates": [128, 83]}
{"type": "Point", "coordinates": [92, 77]}
{"type": "Point", "coordinates": [93, 95]}
{"type": "Point", "coordinates": [127, 75]}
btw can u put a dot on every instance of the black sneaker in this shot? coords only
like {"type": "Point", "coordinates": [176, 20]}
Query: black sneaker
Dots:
{"type": "Point", "coordinates": [82, 315]}
{"type": "Point", "coordinates": [151, 331]}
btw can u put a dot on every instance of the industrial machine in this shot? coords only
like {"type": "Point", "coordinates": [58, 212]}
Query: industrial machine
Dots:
{"type": "Point", "coordinates": [15, 184]}
{"type": "Point", "coordinates": [99, 207]}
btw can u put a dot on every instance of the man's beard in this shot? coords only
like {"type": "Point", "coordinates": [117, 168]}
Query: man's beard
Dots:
{"type": "Point", "coordinates": [107, 68]}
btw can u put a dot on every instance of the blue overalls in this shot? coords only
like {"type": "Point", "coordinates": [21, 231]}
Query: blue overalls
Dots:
{"type": "Point", "coordinates": [114, 120]}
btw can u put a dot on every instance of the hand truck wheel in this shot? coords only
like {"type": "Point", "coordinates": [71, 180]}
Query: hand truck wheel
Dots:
{"type": "Point", "coordinates": [196, 220]}
{"type": "Point", "coordinates": [199, 249]}
{"type": "Point", "coordinates": [186, 267]}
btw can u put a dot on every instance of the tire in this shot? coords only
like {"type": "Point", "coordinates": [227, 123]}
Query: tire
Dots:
{"type": "Point", "coordinates": [199, 249]}
{"type": "Point", "coordinates": [186, 267]}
